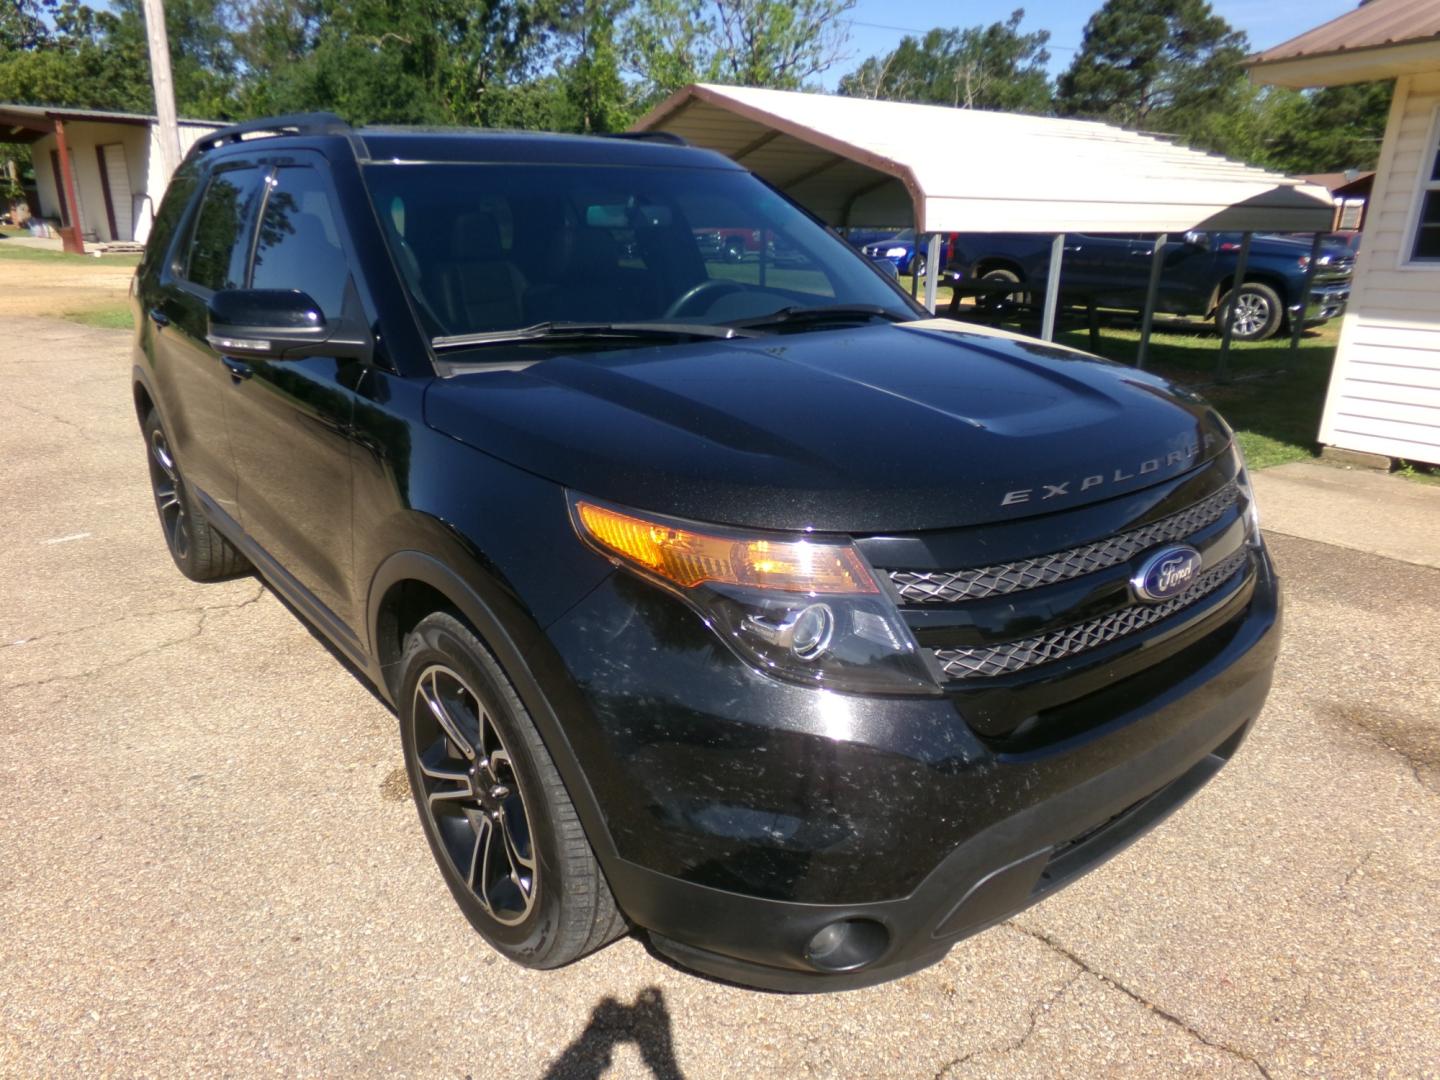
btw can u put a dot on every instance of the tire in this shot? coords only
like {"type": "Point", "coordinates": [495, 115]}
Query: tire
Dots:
{"type": "Point", "coordinates": [1258, 316]}
{"type": "Point", "coordinates": [492, 805]}
{"type": "Point", "coordinates": [1002, 303]}
{"type": "Point", "coordinates": [917, 266]}
{"type": "Point", "coordinates": [199, 551]}
{"type": "Point", "coordinates": [735, 251]}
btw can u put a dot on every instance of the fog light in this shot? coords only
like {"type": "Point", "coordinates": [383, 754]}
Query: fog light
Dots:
{"type": "Point", "coordinates": [847, 944]}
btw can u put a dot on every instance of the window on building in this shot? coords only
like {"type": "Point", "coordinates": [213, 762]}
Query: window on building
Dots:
{"type": "Point", "coordinates": [1426, 245]}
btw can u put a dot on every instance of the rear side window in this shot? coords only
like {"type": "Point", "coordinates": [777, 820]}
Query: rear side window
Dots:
{"type": "Point", "coordinates": [217, 257]}
{"type": "Point", "coordinates": [299, 243]}
{"type": "Point", "coordinates": [172, 208]}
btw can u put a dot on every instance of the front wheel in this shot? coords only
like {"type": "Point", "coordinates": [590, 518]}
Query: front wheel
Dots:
{"type": "Point", "coordinates": [1258, 312]}
{"type": "Point", "coordinates": [199, 551]}
{"type": "Point", "coordinates": [493, 807]}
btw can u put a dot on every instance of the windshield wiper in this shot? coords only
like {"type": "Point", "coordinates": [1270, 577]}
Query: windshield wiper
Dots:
{"type": "Point", "coordinates": [589, 331]}
{"type": "Point", "coordinates": [827, 313]}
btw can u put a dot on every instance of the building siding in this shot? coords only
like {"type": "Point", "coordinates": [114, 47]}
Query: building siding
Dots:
{"type": "Point", "coordinates": [1385, 389]}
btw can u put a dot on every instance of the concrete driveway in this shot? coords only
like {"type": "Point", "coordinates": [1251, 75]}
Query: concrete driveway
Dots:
{"type": "Point", "coordinates": [209, 863]}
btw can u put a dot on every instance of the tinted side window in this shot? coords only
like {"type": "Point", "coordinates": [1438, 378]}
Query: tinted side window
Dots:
{"type": "Point", "coordinates": [217, 258]}
{"type": "Point", "coordinates": [299, 244]}
{"type": "Point", "coordinates": [172, 207]}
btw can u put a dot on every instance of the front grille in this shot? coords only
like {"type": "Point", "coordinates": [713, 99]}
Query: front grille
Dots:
{"type": "Point", "coordinates": [989, 661]}
{"type": "Point", "coordinates": [949, 587]}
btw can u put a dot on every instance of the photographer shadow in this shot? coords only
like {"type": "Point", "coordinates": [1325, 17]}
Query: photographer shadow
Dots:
{"type": "Point", "coordinates": [646, 1023]}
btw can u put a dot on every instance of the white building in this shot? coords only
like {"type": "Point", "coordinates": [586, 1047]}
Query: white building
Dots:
{"type": "Point", "coordinates": [116, 171]}
{"type": "Point", "coordinates": [1384, 395]}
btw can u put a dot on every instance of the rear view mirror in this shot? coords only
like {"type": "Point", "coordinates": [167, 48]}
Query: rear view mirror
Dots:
{"type": "Point", "coordinates": [278, 324]}
{"type": "Point", "coordinates": [1198, 239]}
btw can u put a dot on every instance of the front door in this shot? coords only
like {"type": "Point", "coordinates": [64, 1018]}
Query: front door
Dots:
{"type": "Point", "coordinates": [191, 381]}
{"type": "Point", "coordinates": [291, 420]}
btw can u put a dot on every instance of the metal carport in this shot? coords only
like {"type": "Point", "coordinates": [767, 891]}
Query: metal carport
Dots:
{"type": "Point", "coordinates": [857, 162]}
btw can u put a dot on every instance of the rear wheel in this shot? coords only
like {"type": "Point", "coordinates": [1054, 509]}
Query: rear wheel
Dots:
{"type": "Point", "coordinates": [1258, 312]}
{"type": "Point", "coordinates": [493, 807]}
{"type": "Point", "coordinates": [199, 551]}
{"type": "Point", "coordinates": [1000, 302]}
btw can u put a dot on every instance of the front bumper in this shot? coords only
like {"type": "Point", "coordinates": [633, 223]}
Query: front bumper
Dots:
{"type": "Point", "coordinates": [1326, 302]}
{"type": "Point", "coordinates": [746, 817]}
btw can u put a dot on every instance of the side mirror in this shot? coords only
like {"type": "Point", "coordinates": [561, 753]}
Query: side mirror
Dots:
{"type": "Point", "coordinates": [1198, 239]}
{"type": "Point", "coordinates": [278, 324]}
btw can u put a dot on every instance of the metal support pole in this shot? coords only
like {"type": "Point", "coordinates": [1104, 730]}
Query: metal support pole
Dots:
{"type": "Point", "coordinates": [1297, 323]}
{"type": "Point", "coordinates": [1052, 288]}
{"type": "Point", "coordinates": [1152, 292]}
{"type": "Point", "coordinates": [1222, 366]}
{"type": "Point", "coordinates": [932, 271]}
{"type": "Point", "coordinates": [168, 129]}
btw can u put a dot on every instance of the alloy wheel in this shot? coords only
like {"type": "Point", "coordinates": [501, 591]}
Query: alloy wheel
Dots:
{"type": "Point", "coordinates": [471, 795]}
{"type": "Point", "coordinates": [1252, 312]}
{"type": "Point", "coordinates": [169, 495]}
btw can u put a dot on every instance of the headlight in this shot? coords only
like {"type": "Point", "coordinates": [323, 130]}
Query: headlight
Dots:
{"type": "Point", "coordinates": [894, 253]}
{"type": "Point", "coordinates": [1248, 508]}
{"type": "Point", "coordinates": [806, 610]}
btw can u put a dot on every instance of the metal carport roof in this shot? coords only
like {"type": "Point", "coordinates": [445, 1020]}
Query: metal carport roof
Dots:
{"type": "Point", "coordinates": [853, 161]}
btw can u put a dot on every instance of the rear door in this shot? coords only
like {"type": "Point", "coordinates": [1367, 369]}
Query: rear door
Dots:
{"type": "Point", "coordinates": [291, 420]}
{"type": "Point", "coordinates": [1109, 268]}
{"type": "Point", "coordinates": [209, 255]}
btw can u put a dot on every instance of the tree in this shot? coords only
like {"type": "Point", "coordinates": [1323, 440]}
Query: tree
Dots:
{"type": "Point", "coordinates": [1329, 130]}
{"type": "Point", "coordinates": [1153, 63]}
{"type": "Point", "coordinates": [981, 67]}
{"type": "Point", "coordinates": [772, 43]}
{"type": "Point", "coordinates": [593, 98]}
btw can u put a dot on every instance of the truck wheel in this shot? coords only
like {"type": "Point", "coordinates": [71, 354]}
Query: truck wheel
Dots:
{"type": "Point", "coordinates": [199, 551]}
{"type": "Point", "coordinates": [1258, 312]}
{"type": "Point", "coordinates": [1001, 303]}
{"type": "Point", "coordinates": [493, 807]}
{"type": "Point", "coordinates": [917, 266]}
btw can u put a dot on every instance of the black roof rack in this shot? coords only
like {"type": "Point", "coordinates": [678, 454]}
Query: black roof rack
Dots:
{"type": "Point", "coordinates": [650, 136]}
{"type": "Point", "coordinates": [313, 123]}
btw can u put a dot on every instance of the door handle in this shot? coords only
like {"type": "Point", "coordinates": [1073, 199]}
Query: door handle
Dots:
{"type": "Point", "coordinates": [238, 368]}
{"type": "Point", "coordinates": [158, 317]}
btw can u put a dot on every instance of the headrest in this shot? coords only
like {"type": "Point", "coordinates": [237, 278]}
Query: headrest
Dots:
{"type": "Point", "coordinates": [476, 238]}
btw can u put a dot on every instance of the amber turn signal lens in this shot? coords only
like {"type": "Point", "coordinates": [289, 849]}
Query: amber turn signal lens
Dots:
{"type": "Point", "coordinates": [690, 558]}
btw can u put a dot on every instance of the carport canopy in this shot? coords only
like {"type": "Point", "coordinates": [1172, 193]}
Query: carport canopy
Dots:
{"type": "Point", "coordinates": [858, 162]}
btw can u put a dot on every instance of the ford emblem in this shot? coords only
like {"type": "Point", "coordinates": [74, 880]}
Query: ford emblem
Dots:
{"type": "Point", "coordinates": [1166, 573]}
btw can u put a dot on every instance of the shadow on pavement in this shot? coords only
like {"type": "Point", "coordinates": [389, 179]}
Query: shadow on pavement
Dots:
{"type": "Point", "coordinates": [646, 1023]}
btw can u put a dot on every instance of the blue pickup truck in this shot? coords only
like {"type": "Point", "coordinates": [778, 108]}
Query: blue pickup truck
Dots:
{"type": "Point", "coordinates": [1113, 270]}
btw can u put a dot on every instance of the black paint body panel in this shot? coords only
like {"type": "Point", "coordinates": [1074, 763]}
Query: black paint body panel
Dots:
{"type": "Point", "coordinates": [735, 814]}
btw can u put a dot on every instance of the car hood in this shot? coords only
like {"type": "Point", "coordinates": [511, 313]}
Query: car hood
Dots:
{"type": "Point", "coordinates": [878, 429]}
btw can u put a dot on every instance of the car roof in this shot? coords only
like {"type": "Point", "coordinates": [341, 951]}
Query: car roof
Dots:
{"type": "Point", "coordinates": [378, 144]}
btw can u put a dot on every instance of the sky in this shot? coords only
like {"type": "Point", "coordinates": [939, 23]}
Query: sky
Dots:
{"type": "Point", "coordinates": [876, 26]}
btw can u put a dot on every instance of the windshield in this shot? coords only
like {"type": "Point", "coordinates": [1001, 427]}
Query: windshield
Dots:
{"type": "Point", "coordinates": [487, 248]}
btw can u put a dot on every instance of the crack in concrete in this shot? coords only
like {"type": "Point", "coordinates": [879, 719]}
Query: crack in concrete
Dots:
{"type": "Point", "coordinates": [203, 612]}
{"type": "Point", "coordinates": [48, 416]}
{"type": "Point", "coordinates": [1159, 1011]}
{"type": "Point", "coordinates": [259, 592]}
{"type": "Point", "coordinates": [1358, 868]}
{"type": "Point", "coordinates": [1032, 1021]}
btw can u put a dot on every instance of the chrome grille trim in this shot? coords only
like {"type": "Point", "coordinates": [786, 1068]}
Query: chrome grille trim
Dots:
{"type": "Point", "coordinates": [949, 587]}
{"type": "Point", "coordinates": [987, 662]}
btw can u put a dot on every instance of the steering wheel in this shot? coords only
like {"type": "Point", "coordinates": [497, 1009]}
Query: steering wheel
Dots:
{"type": "Point", "coordinates": [686, 300]}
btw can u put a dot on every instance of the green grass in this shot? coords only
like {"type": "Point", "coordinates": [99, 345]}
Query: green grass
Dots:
{"type": "Point", "coordinates": [25, 254]}
{"type": "Point", "coordinates": [108, 317]}
{"type": "Point", "coordinates": [1274, 398]}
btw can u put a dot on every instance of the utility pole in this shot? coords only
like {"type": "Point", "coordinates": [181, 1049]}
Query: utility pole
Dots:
{"type": "Point", "coordinates": [164, 88]}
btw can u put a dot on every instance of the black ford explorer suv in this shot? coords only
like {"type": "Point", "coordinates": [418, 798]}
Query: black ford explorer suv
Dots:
{"type": "Point", "coordinates": [732, 600]}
